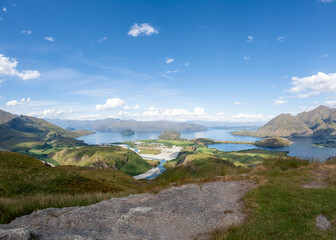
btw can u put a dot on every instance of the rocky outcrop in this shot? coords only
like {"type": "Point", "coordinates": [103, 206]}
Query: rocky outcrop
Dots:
{"type": "Point", "coordinates": [175, 213]}
{"type": "Point", "coordinates": [16, 234]}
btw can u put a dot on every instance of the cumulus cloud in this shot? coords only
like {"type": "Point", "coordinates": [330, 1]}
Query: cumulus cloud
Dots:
{"type": "Point", "coordinates": [313, 85]}
{"type": "Point", "coordinates": [110, 104]}
{"type": "Point", "coordinates": [280, 39]}
{"type": "Point", "coordinates": [135, 107]}
{"type": "Point", "coordinates": [242, 117]}
{"type": "Point", "coordinates": [169, 60]}
{"type": "Point", "coordinates": [15, 103]}
{"type": "Point", "coordinates": [280, 101]}
{"type": "Point", "coordinates": [52, 113]}
{"type": "Point", "coordinates": [330, 103]}
{"type": "Point", "coordinates": [249, 39]}
{"type": "Point", "coordinates": [26, 32]}
{"type": "Point", "coordinates": [198, 113]}
{"type": "Point", "coordinates": [141, 30]}
{"type": "Point", "coordinates": [102, 40]}
{"type": "Point", "coordinates": [176, 112]}
{"type": "Point", "coordinates": [8, 68]}
{"type": "Point", "coordinates": [50, 39]}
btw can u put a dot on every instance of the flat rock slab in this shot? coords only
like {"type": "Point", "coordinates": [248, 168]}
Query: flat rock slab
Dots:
{"type": "Point", "coordinates": [175, 213]}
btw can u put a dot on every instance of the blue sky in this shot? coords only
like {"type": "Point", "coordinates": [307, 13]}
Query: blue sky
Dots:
{"type": "Point", "coordinates": [238, 60]}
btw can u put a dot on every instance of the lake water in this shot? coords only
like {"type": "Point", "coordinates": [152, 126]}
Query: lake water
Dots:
{"type": "Point", "coordinates": [302, 147]}
{"type": "Point", "coordinates": [114, 137]}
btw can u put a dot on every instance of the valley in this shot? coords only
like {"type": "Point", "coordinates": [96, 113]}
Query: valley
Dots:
{"type": "Point", "coordinates": [58, 170]}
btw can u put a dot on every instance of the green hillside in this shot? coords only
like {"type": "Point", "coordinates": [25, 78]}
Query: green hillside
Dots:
{"type": "Point", "coordinates": [36, 137]}
{"type": "Point", "coordinates": [120, 158]}
{"type": "Point", "coordinates": [26, 184]}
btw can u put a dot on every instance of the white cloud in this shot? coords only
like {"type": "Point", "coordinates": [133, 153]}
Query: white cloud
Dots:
{"type": "Point", "coordinates": [172, 71]}
{"type": "Point", "coordinates": [198, 113]}
{"type": "Point", "coordinates": [324, 56]}
{"type": "Point", "coordinates": [141, 30]}
{"type": "Point", "coordinates": [136, 106]}
{"type": "Point", "coordinates": [102, 40]}
{"type": "Point", "coordinates": [242, 117]}
{"type": "Point", "coordinates": [50, 39]}
{"type": "Point", "coordinates": [326, 1]}
{"type": "Point", "coordinates": [175, 114]}
{"type": "Point", "coordinates": [152, 111]}
{"type": "Point", "coordinates": [187, 64]}
{"type": "Point", "coordinates": [4, 9]}
{"type": "Point", "coordinates": [26, 32]}
{"type": "Point", "coordinates": [249, 39]}
{"type": "Point", "coordinates": [52, 113]}
{"type": "Point", "coordinates": [247, 58]}
{"type": "Point", "coordinates": [280, 39]}
{"type": "Point", "coordinates": [1, 81]}
{"type": "Point", "coordinates": [239, 103]}
{"type": "Point", "coordinates": [8, 68]}
{"type": "Point", "coordinates": [331, 103]}
{"type": "Point", "coordinates": [169, 60]}
{"type": "Point", "coordinates": [15, 103]}
{"type": "Point", "coordinates": [313, 85]}
{"type": "Point", "coordinates": [280, 101]}
{"type": "Point", "coordinates": [110, 104]}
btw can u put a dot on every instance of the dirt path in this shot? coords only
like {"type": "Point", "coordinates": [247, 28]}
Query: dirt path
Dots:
{"type": "Point", "coordinates": [175, 213]}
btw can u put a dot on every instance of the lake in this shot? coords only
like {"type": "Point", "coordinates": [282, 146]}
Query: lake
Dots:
{"type": "Point", "coordinates": [302, 147]}
{"type": "Point", "coordinates": [114, 137]}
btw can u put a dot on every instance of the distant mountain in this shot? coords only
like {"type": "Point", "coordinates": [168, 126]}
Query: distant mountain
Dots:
{"type": "Point", "coordinates": [118, 125]}
{"type": "Point", "coordinates": [30, 130]}
{"type": "Point", "coordinates": [320, 122]}
{"type": "Point", "coordinates": [228, 125]}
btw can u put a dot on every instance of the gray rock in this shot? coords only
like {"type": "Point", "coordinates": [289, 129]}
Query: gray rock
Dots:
{"type": "Point", "coordinates": [322, 222]}
{"type": "Point", "coordinates": [15, 234]}
{"type": "Point", "coordinates": [176, 213]}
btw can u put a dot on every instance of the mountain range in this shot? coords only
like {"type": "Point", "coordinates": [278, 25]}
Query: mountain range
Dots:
{"type": "Point", "coordinates": [118, 125]}
{"type": "Point", "coordinates": [319, 123]}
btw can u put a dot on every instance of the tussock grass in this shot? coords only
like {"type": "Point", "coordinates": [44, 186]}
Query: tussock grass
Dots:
{"type": "Point", "coordinates": [10, 208]}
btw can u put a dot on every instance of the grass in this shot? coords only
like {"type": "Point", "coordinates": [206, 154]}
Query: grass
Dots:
{"type": "Point", "coordinates": [23, 179]}
{"type": "Point", "coordinates": [103, 156]}
{"type": "Point", "coordinates": [281, 208]}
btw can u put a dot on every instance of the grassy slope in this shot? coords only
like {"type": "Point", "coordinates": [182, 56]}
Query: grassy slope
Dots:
{"type": "Point", "coordinates": [34, 136]}
{"type": "Point", "coordinates": [26, 185]}
{"type": "Point", "coordinates": [103, 156]}
{"type": "Point", "coordinates": [280, 208]}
